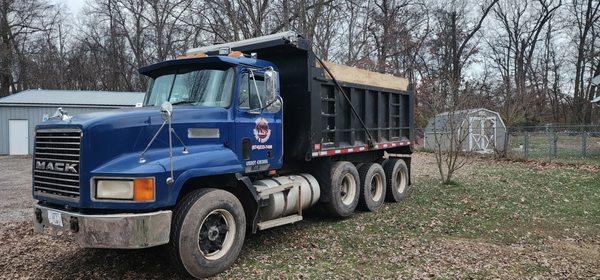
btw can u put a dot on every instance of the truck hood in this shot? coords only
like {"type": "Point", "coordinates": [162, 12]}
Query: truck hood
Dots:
{"type": "Point", "coordinates": [112, 142]}
{"type": "Point", "coordinates": [113, 134]}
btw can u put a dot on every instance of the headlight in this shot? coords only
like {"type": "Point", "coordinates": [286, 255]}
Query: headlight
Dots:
{"type": "Point", "coordinates": [137, 190]}
{"type": "Point", "coordinates": [114, 189]}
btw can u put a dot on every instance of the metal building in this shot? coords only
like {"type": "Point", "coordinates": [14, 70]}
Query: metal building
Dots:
{"type": "Point", "coordinates": [21, 112]}
{"type": "Point", "coordinates": [475, 130]}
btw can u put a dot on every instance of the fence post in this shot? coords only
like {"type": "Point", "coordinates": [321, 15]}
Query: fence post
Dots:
{"type": "Point", "coordinates": [551, 142]}
{"type": "Point", "coordinates": [554, 142]}
{"type": "Point", "coordinates": [526, 145]}
{"type": "Point", "coordinates": [584, 136]}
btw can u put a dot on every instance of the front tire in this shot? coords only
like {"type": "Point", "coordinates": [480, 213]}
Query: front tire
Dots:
{"type": "Point", "coordinates": [208, 231]}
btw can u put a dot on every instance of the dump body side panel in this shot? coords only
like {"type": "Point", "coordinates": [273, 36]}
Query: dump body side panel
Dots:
{"type": "Point", "coordinates": [386, 113]}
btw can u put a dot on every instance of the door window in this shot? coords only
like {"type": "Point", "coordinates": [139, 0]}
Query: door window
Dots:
{"type": "Point", "coordinates": [252, 93]}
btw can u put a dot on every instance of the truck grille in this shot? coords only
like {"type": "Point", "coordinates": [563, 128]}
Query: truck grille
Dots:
{"type": "Point", "coordinates": [56, 163]}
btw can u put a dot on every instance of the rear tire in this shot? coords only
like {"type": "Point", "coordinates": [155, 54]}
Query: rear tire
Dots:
{"type": "Point", "coordinates": [372, 186]}
{"type": "Point", "coordinates": [207, 232]}
{"type": "Point", "coordinates": [396, 175]}
{"type": "Point", "coordinates": [342, 189]}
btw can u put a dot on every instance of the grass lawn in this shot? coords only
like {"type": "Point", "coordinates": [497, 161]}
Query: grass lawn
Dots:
{"type": "Point", "coordinates": [500, 219]}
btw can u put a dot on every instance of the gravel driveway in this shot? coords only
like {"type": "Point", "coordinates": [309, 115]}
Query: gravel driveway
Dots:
{"type": "Point", "coordinates": [15, 188]}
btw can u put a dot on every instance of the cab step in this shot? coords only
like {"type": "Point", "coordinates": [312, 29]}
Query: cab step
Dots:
{"type": "Point", "coordinates": [279, 221]}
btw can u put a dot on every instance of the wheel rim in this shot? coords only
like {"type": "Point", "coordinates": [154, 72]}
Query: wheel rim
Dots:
{"type": "Point", "coordinates": [348, 189]}
{"type": "Point", "coordinates": [400, 181]}
{"type": "Point", "coordinates": [217, 233]}
{"type": "Point", "coordinates": [376, 187]}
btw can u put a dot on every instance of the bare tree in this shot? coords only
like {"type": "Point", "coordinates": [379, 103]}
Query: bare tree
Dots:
{"type": "Point", "coordinates": [452, 50]}
{"type": "Point", "coordinates": [525, 69]}
{"type": "Point", "coordinates": [586, 14]}
{"type": "Point", "coordinates": [20, 22]}
{"type": "Point", "coordinates": [522, 22]}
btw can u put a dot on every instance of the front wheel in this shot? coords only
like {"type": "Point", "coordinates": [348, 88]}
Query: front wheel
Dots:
{"type": "Point", "coordinates": [207, 234]}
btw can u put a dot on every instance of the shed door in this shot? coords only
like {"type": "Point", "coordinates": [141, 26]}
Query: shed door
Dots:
{"type": "Point", "coordinates": [18, 137]}
{"type": "Point", "coordinates": [482, 134]}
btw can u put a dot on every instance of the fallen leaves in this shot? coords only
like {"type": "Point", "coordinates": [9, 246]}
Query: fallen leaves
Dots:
{"type": "Point", "coordinates": [501, 220]}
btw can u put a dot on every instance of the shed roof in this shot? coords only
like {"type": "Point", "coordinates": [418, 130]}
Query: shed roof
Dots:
{"type": "Point", "coordinates": [38, 97]}
{"type": "Point", "coordinates": [466, 111]}
{"type": "Point", "coordinates": [443, 117]}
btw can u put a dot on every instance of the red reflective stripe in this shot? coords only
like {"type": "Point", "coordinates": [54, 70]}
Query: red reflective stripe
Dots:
{"type": "Point", "coordinates": [359, 148]}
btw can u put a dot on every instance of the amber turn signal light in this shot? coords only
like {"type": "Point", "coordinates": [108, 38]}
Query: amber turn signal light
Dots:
{"type": "Point", "coordinates": [143, 189]}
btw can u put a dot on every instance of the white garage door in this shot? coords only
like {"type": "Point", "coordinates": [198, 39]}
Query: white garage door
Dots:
{"type": "Point", "coordinates": [18, 137]}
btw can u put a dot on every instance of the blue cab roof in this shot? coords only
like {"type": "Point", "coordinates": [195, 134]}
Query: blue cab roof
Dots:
{"type": "Point", "coordinates": [216, 61]}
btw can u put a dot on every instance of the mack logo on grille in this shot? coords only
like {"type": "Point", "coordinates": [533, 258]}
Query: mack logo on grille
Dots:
{"type": "Point", "coordinates": [56, 166]}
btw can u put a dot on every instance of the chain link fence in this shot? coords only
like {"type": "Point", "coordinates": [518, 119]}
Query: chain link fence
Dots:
{"type": "Point", "coordinates": [555, 142]}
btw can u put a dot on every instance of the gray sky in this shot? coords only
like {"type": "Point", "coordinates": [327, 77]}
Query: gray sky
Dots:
{"type": "Point", "coordinates": [73, 5]}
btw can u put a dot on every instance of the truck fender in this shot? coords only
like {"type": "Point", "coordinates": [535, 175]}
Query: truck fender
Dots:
{"type": "Point", "coordinates": [198, 173]}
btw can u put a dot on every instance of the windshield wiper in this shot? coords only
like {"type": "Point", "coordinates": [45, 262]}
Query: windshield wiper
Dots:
{"type": "Point", "coordinates": [183, 102]}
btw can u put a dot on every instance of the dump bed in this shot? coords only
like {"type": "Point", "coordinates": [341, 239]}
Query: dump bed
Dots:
{"type": "Point", "coordinates": [318, 119]}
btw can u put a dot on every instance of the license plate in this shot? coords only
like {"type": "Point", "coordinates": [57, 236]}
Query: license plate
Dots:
{"type": "Point", "coordinates": [55, 218]}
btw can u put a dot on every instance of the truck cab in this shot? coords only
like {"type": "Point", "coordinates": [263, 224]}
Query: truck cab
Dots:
{"type": "Point", "coordinates": [221, 123]}
{"type": "Point", "coordinates": [224, 144]}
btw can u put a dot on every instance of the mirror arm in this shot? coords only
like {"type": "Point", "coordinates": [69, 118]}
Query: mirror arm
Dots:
{"type": "Point", "coordinates": [259, 110]}
{"type": "Point", "coordinates": [273, 101]}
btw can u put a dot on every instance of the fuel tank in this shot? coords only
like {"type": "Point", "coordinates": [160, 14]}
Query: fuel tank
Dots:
{"type": "Point", "coordinates": [285, 202]}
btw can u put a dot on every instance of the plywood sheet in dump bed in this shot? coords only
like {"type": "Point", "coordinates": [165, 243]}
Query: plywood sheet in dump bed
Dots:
{"type": "Point", "coordinates": [354, 75]}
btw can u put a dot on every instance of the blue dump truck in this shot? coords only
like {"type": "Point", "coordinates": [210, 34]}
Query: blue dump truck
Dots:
{"type": "Point", "coordinates": [231, 139]}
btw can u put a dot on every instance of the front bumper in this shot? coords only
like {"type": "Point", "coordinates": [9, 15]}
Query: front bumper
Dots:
{"type": "Point", "coordinates": [124, 231]}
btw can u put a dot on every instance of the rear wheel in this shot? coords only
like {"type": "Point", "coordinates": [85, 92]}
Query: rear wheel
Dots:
{"type": "Point", "coordinates": [373, 186]}
{"type": "Point", "coordinates": [208, 232]}
{"type": "Point", "coordinates": [396, 173]}
{"type": "Point", "coordinates": [343, 189]}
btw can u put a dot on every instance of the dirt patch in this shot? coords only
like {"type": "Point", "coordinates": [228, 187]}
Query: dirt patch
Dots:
{"type": "Point", "coordinates": [15, 188]}
{"type": "Point", "coordinates": [25, 255]}
{"type": "Point", "coordinates": [423, 164]}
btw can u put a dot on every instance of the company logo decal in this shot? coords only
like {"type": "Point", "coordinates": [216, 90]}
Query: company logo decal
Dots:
{"type": "Point", "coordinates": [262, 132]}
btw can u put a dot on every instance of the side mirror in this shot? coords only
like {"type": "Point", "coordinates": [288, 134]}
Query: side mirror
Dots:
{"type": "Point", "coordinates": [273, 101]}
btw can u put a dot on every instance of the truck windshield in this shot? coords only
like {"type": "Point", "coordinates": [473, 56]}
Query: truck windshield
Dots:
{"type": "Point", "coordinates": [204, 87]}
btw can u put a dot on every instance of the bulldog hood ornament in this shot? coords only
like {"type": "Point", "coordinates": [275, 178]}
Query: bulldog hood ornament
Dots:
{"type": "Point", "coordinates": [61, 114]}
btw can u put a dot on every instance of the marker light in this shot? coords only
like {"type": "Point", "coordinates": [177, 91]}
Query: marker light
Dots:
{"type": "Point", "coordinates": [235, 54]}
{"type": "Point", "coordinates": [143, 189]}
{"type": "Point", "coordinates": [192, 55]}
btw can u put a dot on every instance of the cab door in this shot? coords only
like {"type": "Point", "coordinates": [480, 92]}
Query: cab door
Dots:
{"type": "Point", "coordinates": [258, 127]}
